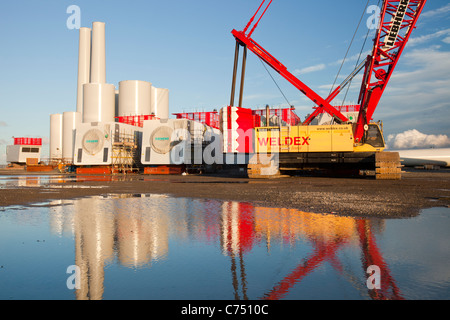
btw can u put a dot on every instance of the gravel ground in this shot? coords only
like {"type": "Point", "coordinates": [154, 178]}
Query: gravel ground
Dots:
{"type": "Point", "coordinates": [344, 196]}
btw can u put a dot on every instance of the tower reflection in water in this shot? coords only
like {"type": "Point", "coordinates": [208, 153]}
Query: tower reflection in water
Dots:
{"type": "Point", "coordinates": [132, 231]}
{"type": "Point", "coordinates": [136, 233]}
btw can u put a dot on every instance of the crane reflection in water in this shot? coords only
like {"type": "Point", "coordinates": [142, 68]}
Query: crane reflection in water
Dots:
{"type": "Point", "coordinates": [139, 231]}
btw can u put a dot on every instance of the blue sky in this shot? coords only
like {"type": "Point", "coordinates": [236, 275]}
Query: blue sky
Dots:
{"type": "Point", "coordinates": [187, 46]}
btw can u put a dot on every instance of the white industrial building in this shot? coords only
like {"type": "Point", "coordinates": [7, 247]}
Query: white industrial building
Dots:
{"type": "Point", "coordinates": [105, 143]}
{"type": "Point", "coordinates": [172, 142]}
{"type": "Point", "coordinates": [86, 136]}
{"type": "Point", "coordinates": [19, 154]}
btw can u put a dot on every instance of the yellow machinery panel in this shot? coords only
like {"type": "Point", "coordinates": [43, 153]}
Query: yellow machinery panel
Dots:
{"type": "Point", "coordinates": [320, 139]}
{"type": "Point", "coordinates": [342, 138]}
{"type": "Point", "coordinates": [267, 140]}
{"type": "Point", "coordinates": [336, 138]}
{"type": "Point", "coordinates": [285, 145]}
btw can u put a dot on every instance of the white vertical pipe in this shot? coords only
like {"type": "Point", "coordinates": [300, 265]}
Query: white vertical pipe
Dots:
{"type": "Point", "coordinates": [99, 102]}
{"type": "Point", "coordinates": [56, 126]}
{"type": "Point", "coordinates": [160, 102]}
{"type": "Point", "coordinates": [134, 98]}
{"type": "Point", "coordinates": [98, 58]}
{"type": "Point", "coordinates": [71, 120]}
{"type": "Point", "coordinates": [84, 64]}
{"type": "Point", "coordinates": [116, 107]}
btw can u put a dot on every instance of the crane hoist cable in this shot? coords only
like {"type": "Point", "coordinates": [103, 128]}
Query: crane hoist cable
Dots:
{"type": "Point", "coordinates": [397, 21]}
{"type": "Point", "coordinates": [357, 62]}
{"type": "Point", "coordinates": [350, 45]}
{"type": "Point", "coordinates": [359, 58]}
{"type": "Point", "coordinates": [343, 61]}
{"type": "Point", "coordinates": [273, 79]}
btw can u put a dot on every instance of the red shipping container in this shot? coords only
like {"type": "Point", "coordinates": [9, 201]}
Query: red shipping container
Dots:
{"type": "Point", "coordinates": [137, 121]}
{"type": "Point", "coordinates": [94, 170]}
{"type": "Point", "coordinates": [208, 118]}
{"type": "Point", "coordinates": [28, 141]}
{"type": "Point", "coordinates": [164, 170]}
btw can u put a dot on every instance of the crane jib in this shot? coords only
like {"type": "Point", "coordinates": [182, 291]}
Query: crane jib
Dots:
{"type": "Point", "coordinates": [396, 24]}
{"type": "Point", "coordinates": [392, 35]}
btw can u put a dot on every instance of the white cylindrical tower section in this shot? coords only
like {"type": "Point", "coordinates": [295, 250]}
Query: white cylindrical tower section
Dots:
{"type": "Point", "coordinates": [99, 102]}
{"type": "Point", "coordinates": [160, 103]}
{"type": "Point", "coordinates": [98, 56]}
{"type": "Point", "coordinates": [84, 64]}
{"type": "Point", "coordinates": [116, 107]}
{"type": "Point", "coordinates": [134, 98]}
{"type": "Point", "coordinates": [70, 122]}
{"type": "Point", "coordinates": [56, 128]}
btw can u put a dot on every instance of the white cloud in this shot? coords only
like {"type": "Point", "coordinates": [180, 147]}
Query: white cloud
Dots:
{"type": "Point", "coordinates": [356, 57]}
{"type": "Point", "coordinates": [422, 39]}
{"type": "Point", "coordinates": [447, 40]}
{"type": "Point", "coordinates": [432, 13]}
{"type": "Point", "coordinates": [327, 86]}
{"type": "Point", "coordinates": [426, 78]}
{"type": "Point", "coordinates": [415, 139]}
{"type": "Point", "coordinates": [317, 67]}
{"type": "Point", "coordinates": [418, 95]}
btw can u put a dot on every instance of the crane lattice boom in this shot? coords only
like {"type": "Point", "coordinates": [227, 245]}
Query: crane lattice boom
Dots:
{"type": "Point", "coordinates": [398, 19]}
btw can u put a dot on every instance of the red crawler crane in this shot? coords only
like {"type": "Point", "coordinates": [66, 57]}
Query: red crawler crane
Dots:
{"type": "Point", "coordinates": [397, 20]}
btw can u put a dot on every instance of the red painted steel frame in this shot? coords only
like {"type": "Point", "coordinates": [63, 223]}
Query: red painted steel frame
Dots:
{"type": "Point", "coordinates": [327, 251]}
{"type": "Point", "coordinates": [381, 63]}
{"type": "Point", "coordinates": [245, 40]}
{"type": "Point", "coordinates": [383, 60]}
{"type": "Point", "coordinates": [322, 252]}
{"type": "Point", "coordinates": [253, 46]}
{"type": "Point", "coordinates": [372, 256]}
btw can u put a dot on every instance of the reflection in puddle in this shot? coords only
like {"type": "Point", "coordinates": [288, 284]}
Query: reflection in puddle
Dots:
{"type": "Point", "coordinates": [54, 181]}
{"type": "Point", "coordinates": [159, 247]}
{"type": "Point", "coordinates": [59, 181]}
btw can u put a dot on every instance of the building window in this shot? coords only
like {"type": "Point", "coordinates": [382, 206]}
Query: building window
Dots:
{"type": "Point", "coordinates": [30, 150]}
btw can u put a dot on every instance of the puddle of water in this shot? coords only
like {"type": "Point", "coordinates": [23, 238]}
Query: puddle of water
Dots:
{"type": "Point", "coordinates": [143, 246]}
{"type": "Point", "coordinates": [213, 182]}
{"type": "Point", "coordinates": [52, 181]}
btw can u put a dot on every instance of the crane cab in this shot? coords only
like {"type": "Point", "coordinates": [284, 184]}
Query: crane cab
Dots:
{"type": "Point", "coordinates": [373, 140]}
